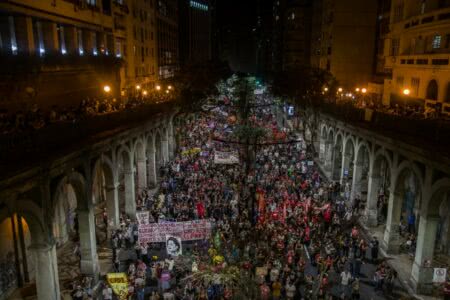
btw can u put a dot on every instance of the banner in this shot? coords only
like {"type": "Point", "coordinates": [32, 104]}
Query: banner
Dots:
{"type": "Point", "coordinates": [173, 245]}
{"type": "Point", "coordinates": [119, 284]}
{"type": "Point", "coordinates": [142, 217]}
{"type": "Point", "coordinates": [439, 275]}
{"type": "Point", "coordinates": [227, 158]}
{"type": "Point", "coordinates": [192, 151]}
{"type": "Point", "coordinates": [187, 231]}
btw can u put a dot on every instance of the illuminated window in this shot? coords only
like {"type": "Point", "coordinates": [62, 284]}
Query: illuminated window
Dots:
{"type": "Point", "coordinates": [436, 42]}
{"type": "Point", "coordinates": [197, 5]}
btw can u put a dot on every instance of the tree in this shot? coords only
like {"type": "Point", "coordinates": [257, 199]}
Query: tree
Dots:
{"type": "Point", "coordinates": [304, 88]}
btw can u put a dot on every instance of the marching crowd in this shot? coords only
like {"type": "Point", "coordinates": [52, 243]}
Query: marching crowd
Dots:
{"type": "Point", "coordinates": [282, 224]}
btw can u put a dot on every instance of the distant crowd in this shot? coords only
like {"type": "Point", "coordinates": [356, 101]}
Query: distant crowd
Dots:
{"type": "Point", "coordinates": [35, 117]}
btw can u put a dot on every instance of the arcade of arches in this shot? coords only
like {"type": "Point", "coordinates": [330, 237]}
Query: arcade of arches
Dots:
{"type": "Point", "coordinates": [396, 188]}
{"type": "Point", "coordinates": [65, 205]}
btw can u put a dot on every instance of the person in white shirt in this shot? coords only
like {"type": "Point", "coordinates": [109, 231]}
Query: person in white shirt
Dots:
{"type": "Point", "coordinates": [345, 282]}
{"type": "Point", "coordinates": [107, 293]}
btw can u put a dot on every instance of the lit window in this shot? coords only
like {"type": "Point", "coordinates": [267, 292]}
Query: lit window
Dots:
{"type": "Point", "coordinates": [436, 42]}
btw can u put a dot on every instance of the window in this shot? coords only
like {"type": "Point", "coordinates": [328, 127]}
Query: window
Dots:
{"type": "Point", "coordinates": [436, 44]}
{"type": "Point", "coordinates": [432, 90]}
{"type": "Point", "coordinates": [395, 45]}
{"type": "Point", "coordinates": [398, 12]}
{"type": "Point", "coordinates": [415, 82]}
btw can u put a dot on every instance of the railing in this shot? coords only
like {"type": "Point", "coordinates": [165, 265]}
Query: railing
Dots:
{"type": "Point", "coordinates": [420, 132]}
{"type": "Point", "coordinates": [18, 147]}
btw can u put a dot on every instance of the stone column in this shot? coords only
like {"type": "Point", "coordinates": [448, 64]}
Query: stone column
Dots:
{"type": "Point", "coordinates": [88, 243]}
{"type": "Point", "coordinates": [71, 39]}
{"type": "Point", "coordinates": [151, 167]}
{"type": "Point", "coordinates": [421, 276]}
{"type": "Point", "coordinates": [50, 37]}
{"type": "Point", "coordinates": [356, 180]}
{"type": "Point", "coordinates": [328, 156]}
{"type": "Point", "coordinates": [24, 34]}
{"type": "Point", "coordinates": [322, 151]}
{"type": "Point", "coordinates": [171, 141]}
{"type": "Point", "coordinates": [5, 34]}
{"type": "Point", "coordinates": [165, 150]}
{"type": "Point", "coordinates": [112, 205]}
{"type": "Point", "coordinates": [372, 198]}
{"type": "Point", "coordinates": [47, 280]}
{"type": "Point", "coordinates": [142, 174]}
{"type": "Point", "coordinates": [130, 201]}
{"type": "Point", "coordinates": [391, 240]}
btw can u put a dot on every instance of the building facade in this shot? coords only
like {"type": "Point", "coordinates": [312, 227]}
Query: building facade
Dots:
{"type": "Point", "coordinates": [195, 31]}
{"type": "Point", "coordinates": [417, 51]}
{"type": "Point", "coordinates": [345, 44]}
{"type": "Point", "coordinates": [167, 38]}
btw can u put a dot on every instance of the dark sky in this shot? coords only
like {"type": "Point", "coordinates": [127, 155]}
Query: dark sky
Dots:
{"type": "Point", "coordinates": [237, 19]}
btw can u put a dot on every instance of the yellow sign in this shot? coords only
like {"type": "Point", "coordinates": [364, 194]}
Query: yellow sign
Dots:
{"type": "Point", "coordinates": [192, 151]}
{"type": "Point", "coordinates": [119, 284]}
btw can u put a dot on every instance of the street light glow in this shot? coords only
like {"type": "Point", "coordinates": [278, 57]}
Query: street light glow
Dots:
{"type": "Point", "coordinates": [357, 89]}
{"type": "Point", "coordinates": [107, 89]}
{"type": "Point", "coordinates": [169, 87]}
{"type": "Point", "coordinates": [167, 91]}
{"type": "Point", "coordinates": [364, 90]}
{"type": "Point", "coordinates": [340, 90]}
{"type": "Point", "coordinates": [325, 89]}
{"type": "Point", "coordinates": [144, 92]}
{"type": "Point", "coordinates": [158, 87]}
{"type": "Point", "coordinates": [406, 92]}
{"type": "Point", "coordinates": [138, 87]}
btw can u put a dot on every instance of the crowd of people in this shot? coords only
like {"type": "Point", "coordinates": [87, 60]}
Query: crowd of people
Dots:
{"type": "Point", "coordinates": [34, 117]}
{"type": "Point", "coordinates": [281, 224]}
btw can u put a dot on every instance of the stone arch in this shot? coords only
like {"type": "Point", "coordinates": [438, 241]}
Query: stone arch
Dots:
{"type": "Point", "coordinates": [104, 189]}
{"type": "Point", "coordinates": [140, 164]}
{"type": "Point", "coordinates": [404, 201]}
{"type": "Point", "coordinates": [348, 160]}
{"type": "Point", "coordinates": [361, 170]}
{"type": "Point", "coordinates": [125, 159]}
{"type": "Point", "coordinates": [158, 143]}
{"type": "Point", "coordinates": [338, 150]}
{"type": "Point", "coordinates": [41, 252]}
{"type": "Point", "coordinates": [432, 90]}
{"type": "Point", "coordinates": [322, 142]}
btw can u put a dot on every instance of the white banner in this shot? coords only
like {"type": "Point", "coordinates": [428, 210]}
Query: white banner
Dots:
{"type": "Point", "coordinates": [187, 231]}
{"type": "Point", "coordinates": [227, 158]}
{"type": "Point", "coordinates": [439, 275]}
{"type": "Point", "coordinates": [142, 217]}
{"type": "Point", "coordinates": [173, 245]}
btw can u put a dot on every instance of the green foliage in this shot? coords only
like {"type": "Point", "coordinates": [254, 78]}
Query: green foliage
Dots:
{"type": "Point", "coordinates": [249, 133]}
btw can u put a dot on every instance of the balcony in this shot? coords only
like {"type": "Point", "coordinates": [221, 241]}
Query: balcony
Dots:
{"type": "Point", "coordinates": [435, 17]}
{"type": "Point", "coordinates": [434, 60]}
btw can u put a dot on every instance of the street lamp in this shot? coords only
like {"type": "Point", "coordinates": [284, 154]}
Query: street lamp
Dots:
{"type": "Point", "coordinates": [357, 90]}
{"type": "Point", "coordinates": [158, 87]}
{"type": "Point", "coordinates": [364, 90]}
{"type": "Point", "coordinates": [169, 87]}
{"type": "Point", "coordinates": [340, 90]}
{"type": "Point", "coordinates": [107, 89]}
{"type": "Point", "coordinates": [167, 91]}
{"type": "Point", "coordinates": [144, 92]}
{"type": "Point", "coordinates": [406, 92]}
{"type": "Point", "coordinates": [325, 89]}
{"type": "Point", "coordinates": [138, 87]}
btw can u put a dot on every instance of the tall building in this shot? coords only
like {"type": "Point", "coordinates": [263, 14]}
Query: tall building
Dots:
{"type": "Point", "coordinates": [167, 38]}
{"type": "Point", "coordinates": [417, 50]}
{"type": "Point", "coordinates": [346, 39]}
{"type": "Point", "coordinates": [297, 28]}
{"type": "Point", "coordinates": [57, 52]}
{"type": "Point", "coordinates": [195, 31]}
{"type": "Point", "coordinates": [141, 58]}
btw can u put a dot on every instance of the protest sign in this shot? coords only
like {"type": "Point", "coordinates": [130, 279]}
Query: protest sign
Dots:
{"type": "Point", "coordinates": [439, 275]}
{"type": "Point", "coordinates": [187, 231]}
{"type": "Point", "coordinates": [119, 284]}
{"type": "Point", "coordinates": [142, 217]}
{"type": "Point", "coordinates": [173, 245]}
{"type": "Point", "coordinates": [226, 158]}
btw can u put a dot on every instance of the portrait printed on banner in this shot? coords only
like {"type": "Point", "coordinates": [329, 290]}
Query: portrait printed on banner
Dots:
{"type": "Point", "coordinates": [173, 245]}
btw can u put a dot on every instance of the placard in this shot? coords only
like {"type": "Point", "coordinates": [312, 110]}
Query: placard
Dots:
{"type": "Point", "coordinates": [173, 245]}
{"type": "Point", "coordinates": [142, 217]}
{"type": "Point", "coordinates": [119, 284]}
{"type": "Point", "coordinates": [439, 275]}
{"type": "Point", "coordinates": [227, 158]}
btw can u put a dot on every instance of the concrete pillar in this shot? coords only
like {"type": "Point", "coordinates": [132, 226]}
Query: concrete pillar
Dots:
{"type": "Point", "coordinates": [372, 198]}
{"type": "Point", "coordinates": [171, 139]}
{"type": "Point", "coordinates": [165, 150]}
{"type": "Point", "coordinates": [47, 280]}
{"type": "Point", "coordinates": [328, 156]}
{"type": "Point", "coordinates": [322, 151]}
{"type": "Point", "coordinates": [24, 34]}
{"type": "Point", "coordinates": [88, 243]}
{"type": "Point", "coordinates": [50, 37]}
{"type": "Point", "coordinates": [130, 201]}
{"type": "Point", "coordinates": [151, 168]}
{"type": "Point", "coordinates": [5, 35]}
{"type": "Point", "coordinates": [71, 40]}
{"type": "Point", "coordinates": [356, 180]}
{"type": "Point", "coordinates": [391, 240]}
{"type": "Point", "coordinates": [112, 205]}
{"type": "Point", "coordinates": [142, 174]}
{"type": "Point", "coordinates": [422, 276]}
